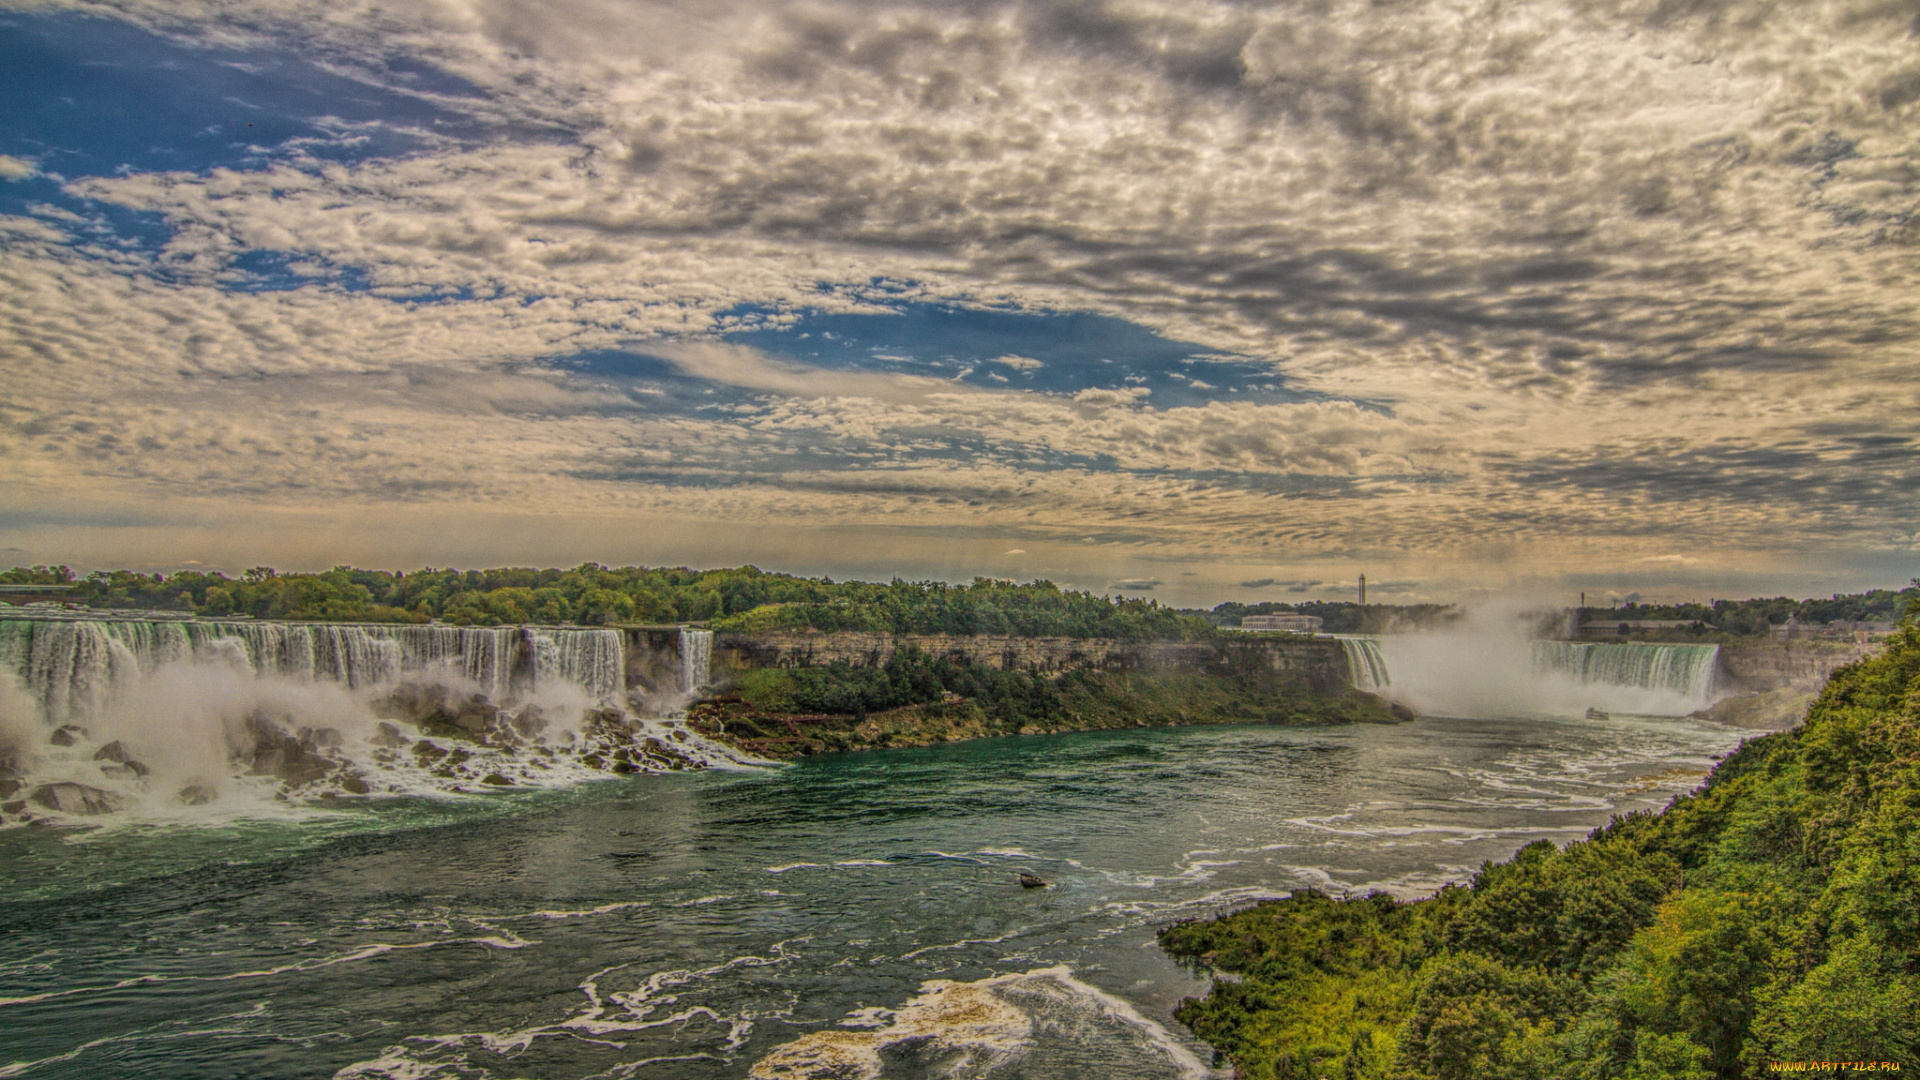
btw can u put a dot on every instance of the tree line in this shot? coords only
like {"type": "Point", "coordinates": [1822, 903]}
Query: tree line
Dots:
{"type": "Point", "coordinates": [742, 598]}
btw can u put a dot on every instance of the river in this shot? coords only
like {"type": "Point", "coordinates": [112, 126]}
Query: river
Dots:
{"type": "Point", "coordinates": [845, 916]}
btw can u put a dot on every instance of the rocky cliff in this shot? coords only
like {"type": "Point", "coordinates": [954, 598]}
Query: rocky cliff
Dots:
{"type": "Point", "coordinates": [1753, 667]}
{"type": "Point", "coordinates": [1321, 661]}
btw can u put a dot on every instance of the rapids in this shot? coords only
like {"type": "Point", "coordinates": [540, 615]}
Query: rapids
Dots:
{"type": "Point", "coordinates": [852, 915]}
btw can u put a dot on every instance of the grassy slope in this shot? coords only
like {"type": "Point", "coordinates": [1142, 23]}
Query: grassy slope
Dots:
{"type": "Point", "coordinates": [1773, 915]}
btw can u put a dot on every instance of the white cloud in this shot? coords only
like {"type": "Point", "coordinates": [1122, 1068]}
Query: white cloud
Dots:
{"type": "Point", "coordinates": [1564, 254]}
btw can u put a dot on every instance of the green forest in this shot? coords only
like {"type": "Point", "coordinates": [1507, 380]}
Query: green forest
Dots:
{"type": "Point", "coordinates": [1771, 916]}
{"type": "Point", "coordinates": [1746, 617]}
{"type": "Point", "coordinates": [748, 598]}
{"type": "Point", "coordinates": [745, 598]}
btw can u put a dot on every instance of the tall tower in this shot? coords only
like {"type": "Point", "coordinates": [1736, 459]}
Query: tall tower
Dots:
{"type": "Point", "coordinates": [1363, 590]}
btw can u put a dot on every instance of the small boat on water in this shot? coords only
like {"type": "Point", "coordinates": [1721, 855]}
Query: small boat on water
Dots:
{"type": "Point", "coordinates": [1031, 881]}
{"type": "Point", "coordinates": [1596, 714]}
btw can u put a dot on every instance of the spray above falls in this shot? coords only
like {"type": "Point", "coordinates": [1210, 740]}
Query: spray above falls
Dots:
{"type": "Point", "coordinates": [102, 712]}
{"type": "Point", "coordinates": [1489, 667]}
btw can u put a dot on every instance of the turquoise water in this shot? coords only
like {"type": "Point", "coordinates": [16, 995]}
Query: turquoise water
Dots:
{"type": "Point", "coordinates": [802, 918]}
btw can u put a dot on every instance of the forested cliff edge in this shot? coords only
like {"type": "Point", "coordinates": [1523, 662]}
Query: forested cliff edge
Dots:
{"type": "Point", "coordinates": [1768, 919]}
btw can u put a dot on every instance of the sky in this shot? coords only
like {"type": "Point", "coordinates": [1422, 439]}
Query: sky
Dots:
{"type": "Point", "coordinates": [1190, 300]}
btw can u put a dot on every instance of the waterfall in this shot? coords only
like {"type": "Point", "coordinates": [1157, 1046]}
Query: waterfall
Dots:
{"type": "Point", "coordinates": [1683, 669]}
{"type": "Point", "coordinates": [1366, 668]}
{"type": "Point", "coordinates": [696, 654]}
{"type": "Point", "coordinates": [1485, 675]}
{"type": "Point", "coordinates": [594, 660]}
{"type": "Point", "coordinates": [75, 666]}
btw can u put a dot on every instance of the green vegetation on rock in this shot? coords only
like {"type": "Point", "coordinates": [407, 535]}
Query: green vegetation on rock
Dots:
{"type": "Point", "coordinates": [915, 698]}
{"type": "Point", "coordinates": [1773, 915]}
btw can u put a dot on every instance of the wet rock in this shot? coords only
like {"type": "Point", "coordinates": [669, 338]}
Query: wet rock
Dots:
{"type": "Point", "coordinates": [67, 735]}
{"type": "Point", "coordinates": [416, 701]}
{"type": "Point", "coordinates": [275, 753]}
{"type": "Point", "coordinates": [457, 757]}
{"type": "Point", "coordinates": [8, 785]}
{"type": "Point", "coordinates": [529, 722]}
{"type": "Point", "coordinates": [496, 780]}
{"type": "Point", "coordinates": [69, 798]}
{"type": "Point", "coordinates": [316, 737]}
{"type": "Point", "coordinates": [355, 784]}
{"type": "Point", "coordinates": [198, 794]}
{"type": "Point", "coordinates": [428, 751]}
{"type": "Point", "coordinates": [389, 736]}
{"type": "Point", "coordinates": [593, 761]}
{"type": "Point", "coordinates": [129, 770]}
{"type": "Point", "coordinates": [476, 715]}
{"type": "Point", "coordinates": [113, 751]}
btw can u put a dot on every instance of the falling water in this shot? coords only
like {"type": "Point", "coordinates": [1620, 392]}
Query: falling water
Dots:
{"type": "Point", "coordinates": [1491, 675]}
{"type": "Point", "coordinates": [696, 653]}
{"type": "Point", "coordinates": [1366, 668]}
{"type": "Point", "coordinates": [102, 712]}
{"type": "Point", "coordinates": [73, 667]}
{"type": "Point", "coordinates": [593, 660]}
{"type": "Point", "coordinates": [1683, 669]}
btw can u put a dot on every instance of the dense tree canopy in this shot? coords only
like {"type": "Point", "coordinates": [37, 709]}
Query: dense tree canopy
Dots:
{"type": "Point", "coordinates": [745, 598]}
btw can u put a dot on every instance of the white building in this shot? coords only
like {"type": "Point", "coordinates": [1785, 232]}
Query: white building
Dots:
{"type": "Point", "coordinates": [1292, 621]}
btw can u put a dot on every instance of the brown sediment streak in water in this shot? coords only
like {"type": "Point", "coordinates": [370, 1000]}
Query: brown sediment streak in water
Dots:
{"type": "Point", "coordinates": [958, 1017]}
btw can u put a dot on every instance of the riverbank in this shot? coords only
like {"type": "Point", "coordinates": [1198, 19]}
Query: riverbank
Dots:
{"type": "Point", "coordinates": [1768, 916]}
{"type": "Point", "coordinates": [759, 718]}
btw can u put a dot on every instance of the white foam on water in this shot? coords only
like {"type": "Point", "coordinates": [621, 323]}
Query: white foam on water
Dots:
{"type": "Point", "coordinates": [607, 1019]}
{"type": "Point", "coordinates": [977, 1028]}
{"type": "Point", "coordinates": [364, 952]}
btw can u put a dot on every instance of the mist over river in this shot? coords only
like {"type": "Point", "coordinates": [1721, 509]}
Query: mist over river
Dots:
{"type": "Point", "coordinates": [849, 915]}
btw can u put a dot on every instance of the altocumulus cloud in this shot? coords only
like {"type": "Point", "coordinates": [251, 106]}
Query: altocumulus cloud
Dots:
{"type": "Point", "coordinates": [1464, 282]}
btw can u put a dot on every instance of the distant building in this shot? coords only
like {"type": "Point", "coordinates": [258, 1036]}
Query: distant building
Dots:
{"type": "Point", "coordinates": [1294, 622]}
{"type": "Point", "coordinates": [1602, 627]}
{"type": "Point", "coordinates": [1838, 630]}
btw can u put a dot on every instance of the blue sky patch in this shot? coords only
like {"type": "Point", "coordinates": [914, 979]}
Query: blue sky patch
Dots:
{"type": "Point", "coordinates": [86, 96]}
{"type": "Point", "coordinates": [998, 348]}
{"type": "Point", "coordinates": [95, 97]}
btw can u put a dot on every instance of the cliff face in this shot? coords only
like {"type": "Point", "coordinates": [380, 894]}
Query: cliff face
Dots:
{"type": "Point", "coordinates": [1759, 666]}
{"type": "Point", "coordinates": [1321, 662]}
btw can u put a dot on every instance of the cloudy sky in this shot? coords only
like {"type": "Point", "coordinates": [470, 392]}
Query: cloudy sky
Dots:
{"type": "Point", "coordinates": [1192, 299]}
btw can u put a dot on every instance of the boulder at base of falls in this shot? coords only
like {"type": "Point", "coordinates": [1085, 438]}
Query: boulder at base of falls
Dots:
{"type": "Point", "coordinates": [475, 715]}
{"type": "Point", "coordinates": [275, 753]}
{"type": "Point", "coordinates": [529, 721]}
{"type": "Point", "coordinates": [120, 764]}
{"type": "Point", "coordinates": [113, 751]}
{"type": "Point", "coordinates": [69, 798]}
{"type": "Point", "coordinates": [67, 735]}
{"type": "Point", "coordinates": [388, 735]}
{"type": "Point", "coordinates": [198, 794]}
